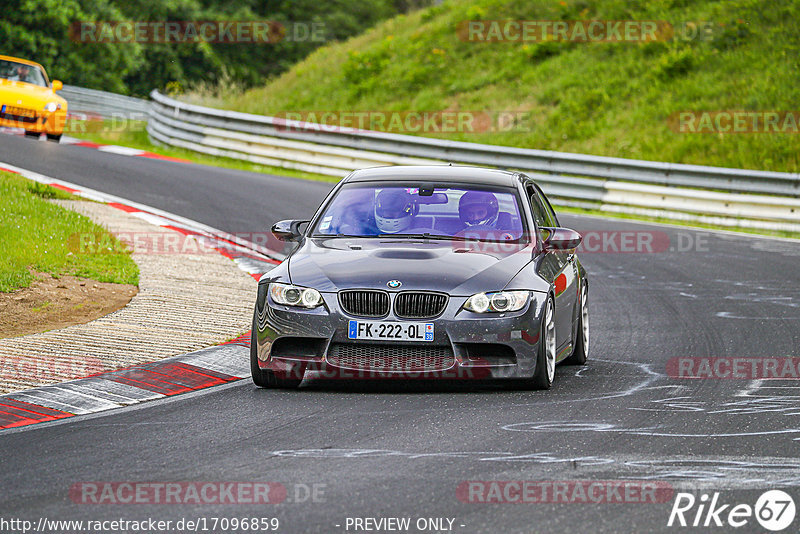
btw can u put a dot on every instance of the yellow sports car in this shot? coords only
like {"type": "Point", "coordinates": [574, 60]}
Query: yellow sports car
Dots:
{"type": "Point", "coordinates": [28, 100]}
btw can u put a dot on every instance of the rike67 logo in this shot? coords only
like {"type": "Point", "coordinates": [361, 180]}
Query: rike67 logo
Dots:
{"type": "Point", "coordinates": [774, 510]}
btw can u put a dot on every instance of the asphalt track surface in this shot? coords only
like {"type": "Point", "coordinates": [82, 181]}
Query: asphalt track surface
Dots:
{"type": "Point", "coordinates": [402, 449]}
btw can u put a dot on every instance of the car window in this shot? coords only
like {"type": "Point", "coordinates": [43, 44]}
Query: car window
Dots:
{"type": "Point", "coordinates": [366, 210]}
{"type": "Point", "coordinates": [536, 207]}
{"type": "Point", "coordinates": [547, 210]}
{"type": "Point", "coordinates": [22, 72]}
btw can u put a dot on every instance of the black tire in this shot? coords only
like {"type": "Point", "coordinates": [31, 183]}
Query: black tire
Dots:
{"type": "Point", "coordinates": [543, 379]}
{"type": "Point", "coordinates": [32, 134]}
{"type": "Point", "coordinates": [54, 138]}
{"type": "Point", "coordinates": [259, 377]}
{"type": "Point", "coordinates": [580, 352]}
{"type": "Point", "coordinates": [266, 378]}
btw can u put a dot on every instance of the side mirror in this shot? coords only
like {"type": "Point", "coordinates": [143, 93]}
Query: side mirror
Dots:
{"type": "Point", "coordinates": [562, 239]}
{"type": "Point", "coordinates": [57, 85]}
{"type": "Point", "coordinates": [288, 230]}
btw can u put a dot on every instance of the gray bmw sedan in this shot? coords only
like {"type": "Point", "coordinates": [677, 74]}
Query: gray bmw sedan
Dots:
{"type": "Point", "coordinates": [424, 272]}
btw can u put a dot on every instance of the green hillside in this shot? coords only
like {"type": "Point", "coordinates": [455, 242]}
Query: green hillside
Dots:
{"type": "Point", "coordinates": [605, 98]}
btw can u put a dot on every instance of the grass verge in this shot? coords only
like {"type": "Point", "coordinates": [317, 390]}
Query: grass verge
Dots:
{"type": "Point", "coordinates": [36, 237]}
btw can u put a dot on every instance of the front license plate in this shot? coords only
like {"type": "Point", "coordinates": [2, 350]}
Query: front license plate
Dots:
{"type": "Point", "coordinates": [20, 112]}
{"type": "Point", "coordinates": [390, 331]}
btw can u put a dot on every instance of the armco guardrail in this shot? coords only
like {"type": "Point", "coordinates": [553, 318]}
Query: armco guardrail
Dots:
{"type": "Point", "coordinates": [716, 195]}
{"type": "Point", "coordinates": [107, 105]}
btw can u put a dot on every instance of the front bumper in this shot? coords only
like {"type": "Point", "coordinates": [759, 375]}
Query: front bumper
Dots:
{"type": "Point", "coordinates": [465, 345]}
{"type": "Point", "coordinates": [42, 122]}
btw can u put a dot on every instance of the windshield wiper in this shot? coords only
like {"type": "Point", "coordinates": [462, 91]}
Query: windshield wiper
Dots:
{"type": "Point", "coordinates": [426, 235]}
{"type": "Point", "coordinates": [441, 237]}
{"type": "Point", "coordinates": [330, 236]}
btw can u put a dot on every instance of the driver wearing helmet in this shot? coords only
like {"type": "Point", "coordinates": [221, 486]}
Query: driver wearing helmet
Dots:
{"type": "Point", "coordinates": [478, 208]}
{"type": "Point", "coordinates": [395, 210]}
{"type": "Point", "coordinates": [21, 74]}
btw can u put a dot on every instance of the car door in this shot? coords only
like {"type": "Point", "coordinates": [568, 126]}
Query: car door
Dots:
{"type": "Point", "coordinates": [557, 267]}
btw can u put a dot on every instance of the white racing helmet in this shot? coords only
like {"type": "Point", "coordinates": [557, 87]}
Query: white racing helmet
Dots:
{"type": "Point", "coordinates": [395, 210]}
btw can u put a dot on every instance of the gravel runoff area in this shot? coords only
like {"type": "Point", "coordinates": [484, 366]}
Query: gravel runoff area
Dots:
{"type": "Point", "coordinates": [185, 302]}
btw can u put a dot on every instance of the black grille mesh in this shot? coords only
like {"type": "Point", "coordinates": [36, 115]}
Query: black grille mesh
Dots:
{"type": "Point", "coordinates": [365, 303]}
{"type": "Point", "coordinates": [9, 115]}
{"type": "Point", "coordinates": [390, 358]}
{"type": "Point", "coordinates": [419, 305]}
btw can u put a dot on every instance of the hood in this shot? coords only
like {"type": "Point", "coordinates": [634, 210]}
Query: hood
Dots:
{"type": "Point", "coordinates": [457, 268]}
{"type": "Point", "coordinates": [11, 92]}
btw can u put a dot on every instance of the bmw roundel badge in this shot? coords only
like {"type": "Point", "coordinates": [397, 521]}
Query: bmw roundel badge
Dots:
{"type": "Point", "coordinates": [394, 284]}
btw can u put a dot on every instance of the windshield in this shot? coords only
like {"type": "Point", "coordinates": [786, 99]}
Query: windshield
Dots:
{"type": "Point", "coordinates": [461, 212]}
{"type": "Point", "coordinates": [22, 72]}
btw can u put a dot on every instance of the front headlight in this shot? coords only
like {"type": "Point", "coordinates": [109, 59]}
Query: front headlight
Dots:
{"type": "Point", "coordinates": [291, 295]}
{"type": "Point", "coordinates": [501, 301]}
{"type": "Point", "coordinates": [52, 107]}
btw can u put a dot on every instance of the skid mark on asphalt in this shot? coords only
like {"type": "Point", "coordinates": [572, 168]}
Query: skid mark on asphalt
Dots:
{"type": "Point", "coordinates": [783, 404]}
{"type": "Point", "coordinates": [756, 399]}
{"type": "Point", "coordinates": [776, 395]}
{"type": "Point", "coordinates": [568, 426]}
{"type": "Point", "coordinates": [541, 457]}
{"type": "Point", "coordinates": [682, 471]}
{"type": "Point", "coordinates": [648, 377]}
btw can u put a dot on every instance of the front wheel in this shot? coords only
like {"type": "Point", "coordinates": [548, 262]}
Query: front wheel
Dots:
{"type": "Point", "coordinates": [546, 355]}
{"type": "Point", "coordinates": [581, 351]}
{"type": "Point", "coordinates": [32, 134]}
{"type": "Point", "coordinates": [53, 137]}
{"type": "Point", "coordinates": [267, 378]}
